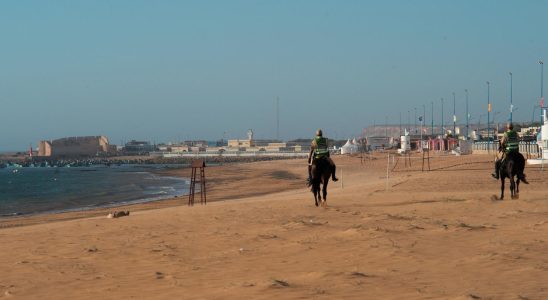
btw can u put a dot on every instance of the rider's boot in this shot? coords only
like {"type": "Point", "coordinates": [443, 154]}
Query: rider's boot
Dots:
{"type": "Point", "coordinates": [333, 177]}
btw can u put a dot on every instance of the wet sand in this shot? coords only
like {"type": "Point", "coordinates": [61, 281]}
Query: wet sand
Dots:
{"type": "Point", "coordinates": [417, 235]}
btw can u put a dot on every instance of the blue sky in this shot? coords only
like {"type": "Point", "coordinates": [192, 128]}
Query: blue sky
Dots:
{"type": "Point", "coordinates": [175, 70]}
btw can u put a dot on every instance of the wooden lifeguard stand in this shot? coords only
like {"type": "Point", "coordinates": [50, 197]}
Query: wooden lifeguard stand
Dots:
{"type": "Point", "coordinates": [197, 164]}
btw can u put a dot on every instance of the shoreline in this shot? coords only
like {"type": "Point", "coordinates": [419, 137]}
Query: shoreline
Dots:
{"type": "Point", "coordinates": [178, 200]}
{"type": "Point", "coordinates": [119, 199]}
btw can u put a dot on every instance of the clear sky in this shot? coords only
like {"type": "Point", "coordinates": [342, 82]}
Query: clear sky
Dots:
{"type": "Point", "coordinates": [174, 70]}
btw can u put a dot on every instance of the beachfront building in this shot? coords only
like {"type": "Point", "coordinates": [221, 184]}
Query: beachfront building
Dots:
{"type": "Point", "coordinates": [81, 146]}
{"type": "Point", "coordinates": [134, 147]}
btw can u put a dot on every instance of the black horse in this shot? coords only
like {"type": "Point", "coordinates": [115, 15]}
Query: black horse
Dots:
{"type": "Point", "coordinates": [321, 171]}
{"type": "Point", "coordinates": [512, 166]}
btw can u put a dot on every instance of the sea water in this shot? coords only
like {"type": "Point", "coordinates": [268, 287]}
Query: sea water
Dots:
{"type": "Point", "coordinates": [47, 190]}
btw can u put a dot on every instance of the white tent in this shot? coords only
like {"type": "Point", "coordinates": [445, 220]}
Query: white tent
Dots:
{"type": "Point", "coordinates": [349, 148]}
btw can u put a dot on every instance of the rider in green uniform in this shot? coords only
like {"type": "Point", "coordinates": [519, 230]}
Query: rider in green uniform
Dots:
{"type": "Point", "coordinates": [508, 143]}
{"type": "Point", "coordinates": [319, 150]}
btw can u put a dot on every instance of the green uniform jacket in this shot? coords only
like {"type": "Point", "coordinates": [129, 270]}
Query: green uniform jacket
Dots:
{"type": "Point", "coordinates": [511, 141]}
{"type": "Point", "coordinates": [319, 144]}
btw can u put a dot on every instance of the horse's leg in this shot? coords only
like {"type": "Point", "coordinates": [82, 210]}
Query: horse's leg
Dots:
{"type": "Point", "coordinates": [517, 187]}
{"type": "Point", "coordinates": [502, 187]}
{"type": "Point", "coordinates": [324, 190]}
{"type": "Point", "coordinates": [315, 191]}
{"type": "Point", "coordinates": [512, 187]}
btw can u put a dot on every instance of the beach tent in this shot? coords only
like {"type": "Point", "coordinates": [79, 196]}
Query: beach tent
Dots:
{"type": "Point", "coordinates": [349, 148]}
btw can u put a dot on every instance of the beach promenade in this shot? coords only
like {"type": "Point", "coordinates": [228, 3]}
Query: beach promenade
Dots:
{"type": "Point", "coordinates": [417, 235]}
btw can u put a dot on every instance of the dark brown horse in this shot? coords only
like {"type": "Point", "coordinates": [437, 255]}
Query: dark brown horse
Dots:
{"type": "Point", "coordinates": [512, 166]}
{"type": "Point", "coordinates": [321, 171]}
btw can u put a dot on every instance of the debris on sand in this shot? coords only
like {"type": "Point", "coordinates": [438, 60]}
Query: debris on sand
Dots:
{"type": "Point", "coordinates": [279, 283]}
{"type": "Point", "coordinates": [472, 227]}
{"type": "Point", "coordinates": [92, 249]}
{"type": "Point", "coordinates": [359, 274]}
{"type": "Point", "coordinates": [268, 236]}
{"type": "Point", "coordinates": [118, 214]}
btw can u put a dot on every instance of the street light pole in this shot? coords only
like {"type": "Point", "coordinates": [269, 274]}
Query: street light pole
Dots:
{"type": "Point", "coordinates": [408, 122]}
{"type": "Point", "coordinates": [541, 89]}
{"type": "Point", "coordinates": [467, 115]}
{"type": "Point", "coordinates": [454, 117]}
{"type": "Point", "coordinates": [400, 123]}
{"type": "Point", "coordinates": [488, 112]}
{"type": "Point", "coordinates": [423, 115]}
{"type": "Point", "coordinates": [432, 130]}
{"type": "Point", "coordinates": [415, 120]}
{"type": "Point", "coordinates": [442, 130]}
{"type": "Point", "coordinates": [511, 103]}
{"type": "Point", "coordinates": [423, 121]}
{"type": "Point", "coordinates": [386, 126]}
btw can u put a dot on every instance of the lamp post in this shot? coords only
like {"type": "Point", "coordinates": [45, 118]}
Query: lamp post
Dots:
{"type": "Point", "coordinates": [415, 120]}
{"type": "Point", "coordinates": [408, 122]}
{"type": "Point", "coordinates": [541, 89]}
{"type": "Point", "coordinates": [454, 117]}
{"type": "Point", "coordinates": [511, 103]}
{"type": "Point", "coordinates": [423, 116]}
{"type": "Point", "coordinates": [441, 130]}
{"type": "Point", "coordinates": [432, 128]}
{"type": "Point", "coordinates": [400, 123]}
{"type": "Point", "coordinates": [488, 114]}
{"type": "Point", "coordinates": [467, 115]}
{"type": "Point", "coordinates": [386, 126]}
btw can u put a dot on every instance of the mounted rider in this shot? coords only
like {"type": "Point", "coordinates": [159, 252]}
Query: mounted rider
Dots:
{"type": "Point", "coordinates": [509, 143]}
{"type": "Point", "coordinates": [319, 150]}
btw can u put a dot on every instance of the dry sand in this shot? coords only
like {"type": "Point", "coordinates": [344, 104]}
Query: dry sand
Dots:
{"type": "Point", "coordinates": [437, 235]}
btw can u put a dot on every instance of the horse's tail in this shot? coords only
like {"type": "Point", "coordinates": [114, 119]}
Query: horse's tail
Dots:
{"type": "Point", "coordinates": [521, 167]}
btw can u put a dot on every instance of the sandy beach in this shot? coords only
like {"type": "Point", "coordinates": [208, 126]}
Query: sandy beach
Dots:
{"type": "Point", "coordinates": [417, 235]}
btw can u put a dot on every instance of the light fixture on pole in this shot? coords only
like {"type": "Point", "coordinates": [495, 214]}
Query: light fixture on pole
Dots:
{"type": "Point", "coordinates": [541, 90]}
{"type": "Point", "coordinates": [511, 103]}
{"type": "Point", "coordinates": [442, 129]}
{"type": "Point", "coordinates": [467, 115]}
{"type": "Point", "coordinates": [488, 115]}
{"type": "Point", "coordinates": [454, 117]}
{"type": "Point", "coordinates": [400, 123]}
{"type": "Point", "coordinates": [432, 128]}
{"type": "Point", "coordinates": [415, 120]}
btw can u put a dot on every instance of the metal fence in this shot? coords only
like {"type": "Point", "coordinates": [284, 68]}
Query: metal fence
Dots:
{"type": "Point", "coordinates": [530, 149]}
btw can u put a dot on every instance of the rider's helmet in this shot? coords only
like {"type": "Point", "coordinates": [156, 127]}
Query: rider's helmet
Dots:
{"type": "Point", "coordinates": [319, 132]}
{"type": "Point", "coordinates": [510, 126]}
